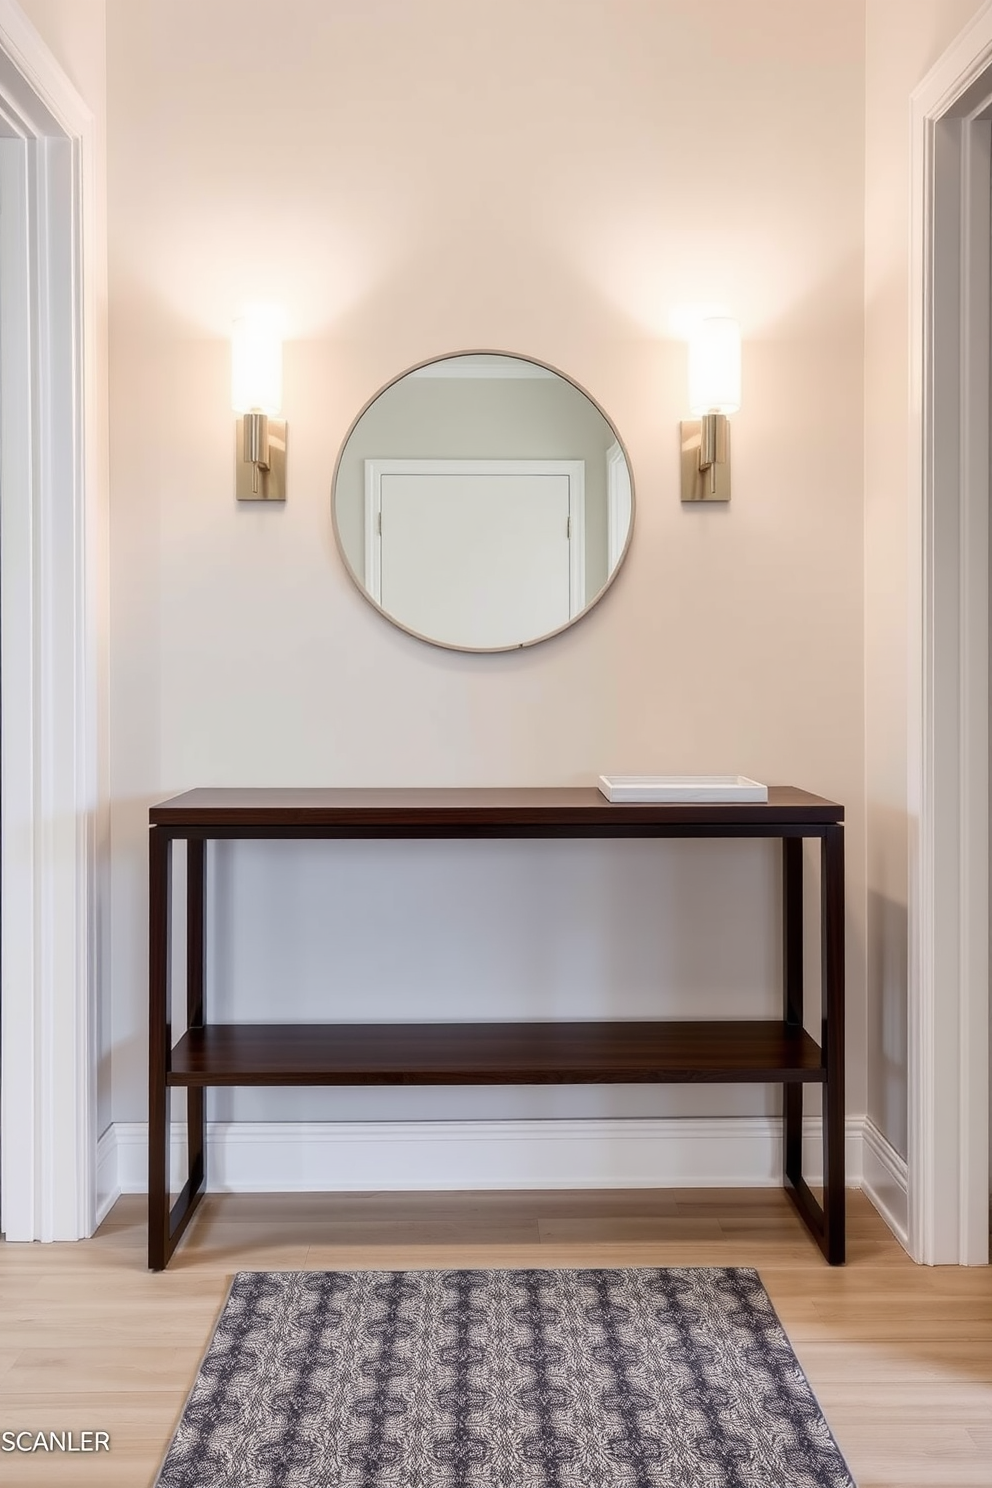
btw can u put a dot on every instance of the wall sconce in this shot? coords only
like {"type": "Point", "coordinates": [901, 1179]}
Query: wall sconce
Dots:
{"type": "Point", "coordinates": [714, 391]}
{"type": "Point", "coordinates": [256, 395]}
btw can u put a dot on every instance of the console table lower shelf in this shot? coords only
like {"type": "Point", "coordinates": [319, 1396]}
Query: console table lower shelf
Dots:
{"type": "Point", "coordinates": [557, 1053]}
{"type": "Point", "coordinates": [477, 1053]}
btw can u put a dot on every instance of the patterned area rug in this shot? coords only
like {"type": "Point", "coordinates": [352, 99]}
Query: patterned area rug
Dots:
{"type": "Point", "coordinates": [501, 1379]}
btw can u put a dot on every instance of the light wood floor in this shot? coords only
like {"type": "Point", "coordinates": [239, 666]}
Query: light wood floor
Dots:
{"type": "Point", "coordinates": [900, 1356]}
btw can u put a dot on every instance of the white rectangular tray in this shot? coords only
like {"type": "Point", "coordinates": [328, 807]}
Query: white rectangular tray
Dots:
{"type": "Point", "coordinates": [681, 788]}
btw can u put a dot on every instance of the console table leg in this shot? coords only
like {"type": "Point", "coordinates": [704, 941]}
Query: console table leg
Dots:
{"type": "Point", "coordinates": [167, 1222]}
{"type": "Point", "coordinates": [832, 999]}
{"type": "Point", "coordinates": [159, 1046]}
{"type": "Point", "coordinates": [195, 951]}
{"type": "Point", "coordinates": [792, 968]}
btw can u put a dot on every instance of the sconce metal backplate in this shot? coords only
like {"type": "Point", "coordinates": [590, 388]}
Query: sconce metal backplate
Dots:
{"type": "Point", "coordinates": [711, 484]}
{"type": "Point", "coordinates": [272, 481]}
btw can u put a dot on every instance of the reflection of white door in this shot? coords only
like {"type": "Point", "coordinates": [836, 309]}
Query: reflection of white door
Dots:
{"type": "Point", "coordinates": [476, 553]}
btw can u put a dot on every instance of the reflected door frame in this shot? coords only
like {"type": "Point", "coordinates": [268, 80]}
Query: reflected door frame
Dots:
{"type": "Point", "coordinates": [619, 506]}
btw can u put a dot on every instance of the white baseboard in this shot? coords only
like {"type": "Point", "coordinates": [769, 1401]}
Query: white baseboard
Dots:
{"type": "Point", "coordinates": [281, 1157]}
{"type": "Point", "coordinates": [108, 1186]}
{"type": "Point", "coordinates": [886, 1181]}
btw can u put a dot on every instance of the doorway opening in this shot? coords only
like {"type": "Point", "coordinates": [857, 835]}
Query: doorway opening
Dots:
{"type": "Point", "coordinates": [948, 725]}
{"type": "Point", "coordinates": [48, 654]}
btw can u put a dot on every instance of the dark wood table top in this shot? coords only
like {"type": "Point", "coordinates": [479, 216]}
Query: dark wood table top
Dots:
{"type": "Point", "coordinates": [562, 806]}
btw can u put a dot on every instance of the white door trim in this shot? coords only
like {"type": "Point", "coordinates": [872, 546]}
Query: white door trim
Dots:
{"type": "Point", "coordinates": [50, 521]}
{"type": "Point", "coordinates": [948, 732]}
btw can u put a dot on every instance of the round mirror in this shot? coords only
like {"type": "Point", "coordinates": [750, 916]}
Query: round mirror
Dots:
{"type": "Point", "coordinates": [482, 502]}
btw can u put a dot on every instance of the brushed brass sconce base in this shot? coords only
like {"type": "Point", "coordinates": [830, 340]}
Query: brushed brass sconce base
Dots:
{"type": "Point", "coordinates": [710, 481]}
{"type": "Point", "coordinates": [266, 480]}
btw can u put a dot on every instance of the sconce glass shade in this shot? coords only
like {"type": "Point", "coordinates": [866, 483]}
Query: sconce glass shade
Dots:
{"type": "Point", "coordinates": [715, 367]}
{"type": "Point", "coordinates": [256, 364]}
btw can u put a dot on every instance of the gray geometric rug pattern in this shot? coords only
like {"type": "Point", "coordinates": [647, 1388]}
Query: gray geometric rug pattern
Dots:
{"type": "Point", "coordinates": [677, 1378]}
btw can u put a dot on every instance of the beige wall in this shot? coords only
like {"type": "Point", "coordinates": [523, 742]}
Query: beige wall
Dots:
{"type": "Point", "coordinates": [562, 181]}
{"type": "Point", "coordinates": [903, 40]}
{"type": "Point", "coordinates": [392, 232]}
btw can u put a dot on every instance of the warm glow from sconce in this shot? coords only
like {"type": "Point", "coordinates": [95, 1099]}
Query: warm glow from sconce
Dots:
{"type": "Point", "coordinates": [256, 395]}
{"type": "Point", "coordinates": [256, 364]}
{"type": "Point", "coordinates": [714, 391]}
{"type": "Point", "coordinates": [715, 367]}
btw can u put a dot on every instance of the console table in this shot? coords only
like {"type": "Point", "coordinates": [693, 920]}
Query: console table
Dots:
{"type": "Point", "coordinates": [744, 1050]}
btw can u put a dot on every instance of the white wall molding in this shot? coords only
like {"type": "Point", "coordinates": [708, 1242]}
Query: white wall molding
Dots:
{"type": "Point", "coordinates": [363, 1156]}
{"type": "Point", "coordinates": [34, 84]}
{"type": "Point", "coordinates": [50, 243]}
{"type": "Point", "coordinates": [886, 1181]}
{"type": "Point", "coordinates": [948, 585]}
{"type": "Point", "coordinates": [108, 1188]}
{"type": "Point", "coordinates": [949, 84]}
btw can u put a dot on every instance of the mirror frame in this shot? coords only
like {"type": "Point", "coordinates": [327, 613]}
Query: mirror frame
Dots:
{"type": "Point", "coordinates": [450, 645]}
